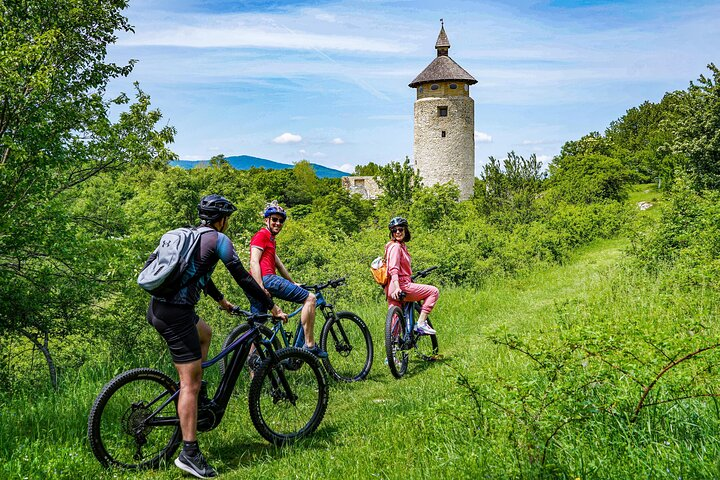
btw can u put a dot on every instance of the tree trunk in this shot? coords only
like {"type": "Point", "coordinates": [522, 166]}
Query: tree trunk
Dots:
{"type": "Point", "coordinates": [43, 347]}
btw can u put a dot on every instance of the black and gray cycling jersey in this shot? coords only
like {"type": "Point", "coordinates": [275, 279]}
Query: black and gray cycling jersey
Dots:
{"type": "Point", "coordinates": [214, 246]}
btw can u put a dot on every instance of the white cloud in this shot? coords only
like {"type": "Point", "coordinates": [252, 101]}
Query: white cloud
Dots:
{"type": "Point", "coordinates": [345, 167]}
{"type": "Point", "coordinates": [232, 32]}
{"type": "Point", "coordinates": [482, 137]}
{"type": "Point", "coordinates": [337, 141]}
{"type": "Point", "coordinates": [319, 155]}
{"type": "Point", "coordinates": [302, 152]}
{"type": "Point", "coordinates": [287, 137]}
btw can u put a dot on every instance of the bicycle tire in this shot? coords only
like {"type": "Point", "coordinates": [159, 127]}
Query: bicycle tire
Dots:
{"type": "Point", "coordinates": [118, 412]}
{"type": "Point", "coordinates": [426, 346]}
{"type": "Point", "coordinates": [235, 334]}
{"type": "Point", "coordinates": [394, 337]}
{"type": "Point", "coordinates": [348, 343]}
{"type": "Point", "coordinates": [277, 418]}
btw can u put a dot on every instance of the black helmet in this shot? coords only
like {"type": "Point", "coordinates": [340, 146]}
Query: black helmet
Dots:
{"type": "Point", "coordinates": [214, 207]}
{"type": "Point", "coordinates": [400, 222]}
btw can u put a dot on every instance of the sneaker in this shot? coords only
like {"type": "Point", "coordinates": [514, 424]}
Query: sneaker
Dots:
{"type": "Point", "coordinates": [424, 329]}
{"type": "Point", "coordinates": [196, 465]}
{"type": "Point", "coordinates": [317, 351]}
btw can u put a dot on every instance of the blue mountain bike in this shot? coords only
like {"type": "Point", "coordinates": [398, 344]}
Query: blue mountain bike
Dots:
{"type": "Point", "coordinates": [344, 337]}
{"type": "Point", "coordinates": [401, 337]}
{"type": "Point", "coordinates": [134, 423]}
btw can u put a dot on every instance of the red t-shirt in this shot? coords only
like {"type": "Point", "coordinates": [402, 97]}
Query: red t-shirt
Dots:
{"type": "Point", "coordinates": [266, 241]}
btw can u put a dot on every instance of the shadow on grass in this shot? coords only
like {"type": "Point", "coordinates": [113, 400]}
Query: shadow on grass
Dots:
{"type": "Point", "coordinates": [419, 365]}
{"type": "Point", "coordinates": [246, 454]}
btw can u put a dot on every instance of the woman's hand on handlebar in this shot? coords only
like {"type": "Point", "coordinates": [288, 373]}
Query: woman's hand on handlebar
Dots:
{"type": "Point", "coordinates": [395, 291]}
{"type": "Point", "coordinates": [278, 313]}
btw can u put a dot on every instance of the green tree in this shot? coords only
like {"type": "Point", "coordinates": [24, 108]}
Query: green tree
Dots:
{"type": "Point", "coordinates": [641, 138]}
{"type": "Point", "coordinates": [369, 170]}
{"type": "Point", "coordinates": [398, 182]}
{"type": "Point", "coordinates": [507, 191]}
{"type": "Point", "coordinates": [696, 129]}
{"type": "Point", "coordinates": [435, 205]}
{"type": "Point", "coordinates": [55, 135]}
{"type": "Point", "coordinates": [588, 178]}
{"type": "Point", "coordinates": [592, 143]}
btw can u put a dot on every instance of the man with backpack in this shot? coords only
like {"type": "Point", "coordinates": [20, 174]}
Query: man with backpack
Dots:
{"type": "Point", "coordinates": [264, 265]}
{"type": "Point", "coordinates": [188, 337]}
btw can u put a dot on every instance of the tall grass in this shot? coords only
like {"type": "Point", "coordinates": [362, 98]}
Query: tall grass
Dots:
{"type": "Point", "coordinates": [485, 411]}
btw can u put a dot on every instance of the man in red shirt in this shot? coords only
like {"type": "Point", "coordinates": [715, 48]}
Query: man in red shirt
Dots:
{"type": "Point", "coordinates": [264, 265]}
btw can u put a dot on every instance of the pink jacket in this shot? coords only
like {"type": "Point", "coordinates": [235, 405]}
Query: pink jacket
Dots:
{"type": "Point", "coordinates": [398, 261]}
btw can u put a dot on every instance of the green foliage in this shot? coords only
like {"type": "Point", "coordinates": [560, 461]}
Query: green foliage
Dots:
{"type": "Point", "coordinates": [696, 129]}
{"type": "Point", "coordinates": [591, 144]}
{"type": "Point", "coordinates": [687, 235]}
{"type": "Point", "coordinates": [436, 205]}
{"type": "Point", "coordinates": [370, 170]}
{"type": "Point", "coordinates": [640, 138]}
{"type": "Point", "coordinates": [56, 134]}
{"type": "Point", "coordinates": [588, 178]}
{"type": "Point", "coordinates": [398, 182]}
{"type": "Point", "coordinates": [506, 193]}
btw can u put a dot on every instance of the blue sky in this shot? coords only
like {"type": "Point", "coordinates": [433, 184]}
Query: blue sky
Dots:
{"type": "Point", "coordinates": [327, 81]}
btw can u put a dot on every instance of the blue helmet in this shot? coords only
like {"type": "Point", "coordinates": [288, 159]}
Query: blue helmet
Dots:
{"type": "Point", "coordinates": [273, 208]}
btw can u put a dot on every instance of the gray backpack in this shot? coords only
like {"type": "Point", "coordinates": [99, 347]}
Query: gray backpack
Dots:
{"type": "Point", "coordinates": [163, 275]}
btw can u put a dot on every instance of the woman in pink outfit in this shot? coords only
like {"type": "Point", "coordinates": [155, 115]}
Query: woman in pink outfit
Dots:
{"type": "Point", "coordinates": [398, 267]}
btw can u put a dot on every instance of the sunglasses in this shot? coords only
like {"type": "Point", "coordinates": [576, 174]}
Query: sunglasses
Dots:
{"type": "Point", "coordinates": [279, 220]}
{"type": "Point", "coordinates": [397, 229]}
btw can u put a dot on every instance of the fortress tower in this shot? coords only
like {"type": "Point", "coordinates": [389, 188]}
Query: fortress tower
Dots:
{"type": "Point", "coordinates": [444, 147]}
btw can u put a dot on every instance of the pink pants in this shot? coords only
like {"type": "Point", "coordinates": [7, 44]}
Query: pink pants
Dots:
{"type": "Point", "coordinates": [415, 292]}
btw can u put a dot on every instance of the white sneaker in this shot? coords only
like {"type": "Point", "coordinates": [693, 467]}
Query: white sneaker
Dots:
{"type": "Point", "coordinates": [424, 329]}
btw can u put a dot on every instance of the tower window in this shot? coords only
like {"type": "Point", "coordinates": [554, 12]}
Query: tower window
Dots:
{"type": "Point", "coordinates": [443, 134]}
{"type": "Point", "coordinates": [420, 89]}
{"type": "Point", "coordinates": [453, 86]}
{"type": "Point", "coordinates": [442, 111]}
{"type": "Point", "coordinates": [434, 86]}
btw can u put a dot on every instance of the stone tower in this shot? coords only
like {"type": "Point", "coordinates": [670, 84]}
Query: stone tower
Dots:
{"type": "Point", "coordinates": [444, 147]}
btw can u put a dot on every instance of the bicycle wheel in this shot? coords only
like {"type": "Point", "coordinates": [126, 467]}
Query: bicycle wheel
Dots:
{"type": "Point", "coordinates": [348, 343]}
{"type": "Point", "coordinates": [426, 346]}
{"type": "Point", "coordinates": [285, 404]}
{"type": "Point", "coordinates": [394, 339]}
{"type": "Point", "coordinates": [117, 429]}
{"type": "Point", "coordinates": [235, 334]}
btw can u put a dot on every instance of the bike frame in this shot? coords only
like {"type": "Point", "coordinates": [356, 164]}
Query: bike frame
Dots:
{"type": "Point", "coordinates": [408, 309]}
{"type": "Point", "coordinates": [327, 310]}
{"type": "Point", "coordinates": [241, 349]}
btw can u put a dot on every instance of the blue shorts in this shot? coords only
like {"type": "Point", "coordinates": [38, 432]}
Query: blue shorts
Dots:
{"type": "Point", "coordinates": [280, 288]}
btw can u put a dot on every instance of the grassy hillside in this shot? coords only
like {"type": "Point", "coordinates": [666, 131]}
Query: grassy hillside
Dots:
{"type": "Point", "coordinates": [485, 411]}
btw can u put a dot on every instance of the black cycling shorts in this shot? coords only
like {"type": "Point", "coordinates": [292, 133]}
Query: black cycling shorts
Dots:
{"type": "Point", "coordinates": [177, 325]}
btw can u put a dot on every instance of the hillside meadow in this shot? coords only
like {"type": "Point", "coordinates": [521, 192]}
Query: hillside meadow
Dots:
{"type": "Point", "coordinates": [484, 411]}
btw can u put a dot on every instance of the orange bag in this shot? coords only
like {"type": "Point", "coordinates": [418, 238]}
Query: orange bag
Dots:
{"type": "Point", "coordinates": [378, 268]}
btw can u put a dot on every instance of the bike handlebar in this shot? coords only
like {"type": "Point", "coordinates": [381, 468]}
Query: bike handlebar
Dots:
{"type": "Point", "coordinates": [335, 283]}
{"type": "Point", "coordinates": [253, 317]}
{"type": "Point", "coordinates": [423, 273]}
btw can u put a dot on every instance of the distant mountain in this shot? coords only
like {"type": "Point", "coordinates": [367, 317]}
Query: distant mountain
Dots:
{"type": "Point", "coordinates": [246, 162]}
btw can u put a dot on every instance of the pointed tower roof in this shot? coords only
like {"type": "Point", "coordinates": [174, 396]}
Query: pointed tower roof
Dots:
{"type": "Point", "coordinates": [443, 44]}
{"type": "Point", "coordinates": [443, 68]}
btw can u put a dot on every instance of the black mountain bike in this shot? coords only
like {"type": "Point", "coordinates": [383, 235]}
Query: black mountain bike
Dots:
{"type": "Point", "coordinates": [401, 337]}
{"type": "Point", "coordinates": [134, 423]}
{"type": "Point", "coordinates": [344, 337]}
